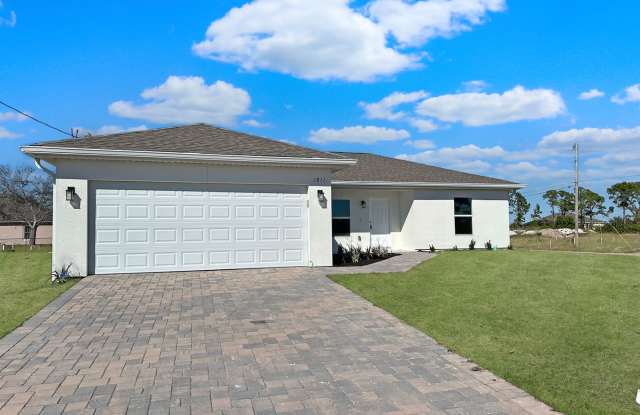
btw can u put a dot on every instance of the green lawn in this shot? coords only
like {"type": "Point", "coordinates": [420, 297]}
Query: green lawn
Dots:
{"type": "Point", "coordinates": [24, 278]}
{"type": "Point", "coordinates": [590, 242]}
{"type": "Point", "coordinates": [562, 326]}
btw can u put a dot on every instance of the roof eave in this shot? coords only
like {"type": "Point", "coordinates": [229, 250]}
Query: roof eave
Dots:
{"type": "Point", "coordinates": [65, 152]}
{"type": "Point", "coordinates": [434, 185]}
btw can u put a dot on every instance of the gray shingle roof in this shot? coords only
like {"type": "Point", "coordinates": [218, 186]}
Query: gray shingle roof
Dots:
{"type": "Point", "coordinates": [210, 140]}
{"type": "Point", "coordinates": [374, 168]}
{"type": "Point", "coordinates": [197, 138]}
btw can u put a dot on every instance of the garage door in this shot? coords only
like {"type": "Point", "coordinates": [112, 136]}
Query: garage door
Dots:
{"type": "Point", "coordinates": [155, 228]}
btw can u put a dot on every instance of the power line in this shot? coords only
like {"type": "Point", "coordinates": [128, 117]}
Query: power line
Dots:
{"type": "Point", "coordinates": [46, 124]}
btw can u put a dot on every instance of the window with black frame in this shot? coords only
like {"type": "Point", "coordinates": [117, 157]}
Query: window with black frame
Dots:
{"type": "Point", "coordinates": [27, 232]}
{"type": "Point", "coordinates": [340, 217]}
{"type": "Point", "coordinates": [462, 215]}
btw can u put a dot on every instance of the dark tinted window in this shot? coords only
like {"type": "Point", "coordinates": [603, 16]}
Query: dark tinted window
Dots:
{"type": "Point", "coordinates": [462, 206]}
{"type": "Point", "coordinates": [341, 227]}
{"type": "Point", "coordinates": [341, 213]}
{"type": "Point", "coordinates": [340, 209]}
{"type": "Point", "coordinates": [463, 225]}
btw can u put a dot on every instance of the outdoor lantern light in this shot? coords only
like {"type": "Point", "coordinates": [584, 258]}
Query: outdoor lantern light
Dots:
{"type": "Point", "coordinates": [363, 204]}
{"type": "Point", "coordinates": [321, 197]}
{"type": "Point", "coordinates": [70, 193]}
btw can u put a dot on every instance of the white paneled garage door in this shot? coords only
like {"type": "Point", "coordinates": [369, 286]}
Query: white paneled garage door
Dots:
{"type": "Point", "coordinates": [155, 227]}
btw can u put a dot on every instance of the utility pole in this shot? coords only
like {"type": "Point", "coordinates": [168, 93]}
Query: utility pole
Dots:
{"type": "Point", "coordinates": [576, 214]}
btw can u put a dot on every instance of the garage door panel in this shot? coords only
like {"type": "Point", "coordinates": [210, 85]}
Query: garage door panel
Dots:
{"type": "Point", "coordinates": [156, 227]}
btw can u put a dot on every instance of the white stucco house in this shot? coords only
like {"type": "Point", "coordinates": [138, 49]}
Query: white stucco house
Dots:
{"type": "Point", "coordinates": [199, 197]}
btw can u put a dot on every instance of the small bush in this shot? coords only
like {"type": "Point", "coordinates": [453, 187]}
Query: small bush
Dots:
{"type": "Point", "coordinates": [432, 248]}
{"type": "Point", "coordinates": [510, 247]}
{"type": "Point", "coordinates": [472, 245]}
{"type": "Point", "coordinates": [455, 248]}
{"type": "Point", "coordinates": [564, 222]}
{"type": "Point", "coordinates": [354, 254]}
{"type": "Point", "coordinates": [617, 224]}
{"type": "Point", "coordinates": [488, 245]}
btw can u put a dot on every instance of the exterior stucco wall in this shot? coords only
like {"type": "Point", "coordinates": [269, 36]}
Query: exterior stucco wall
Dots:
{"type": "Point", "coordinates": [185, 172]}
{"type": "Point", "coordinates": [419, 218]}
{"type": "Point", "coordinates": [430, 219]}
{"type": "Point", "coordinates": [71, 229]}
{"type": "Point", "coordinates": [320, 249]}
{"type": "Point", "coordinates": [75, 246]}
{"type": "Point", "coordinates": [14, 234]}
{"type": "Point", "coordinates": [360, 219]}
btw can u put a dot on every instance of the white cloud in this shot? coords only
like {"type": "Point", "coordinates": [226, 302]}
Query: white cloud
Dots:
{"type": "Point", "coordinates": [468, 157]}
{"type": "Point", "coordinates": [8, 21]}
{"type": "Point", "coordinates": [385, 108]}
{"type": "Point", "coordinates": [594, 138]}
{"type": "Point", "coordinates": [591, 94]}
{"type": "Point", "coordinates": [4, 133]}
{"type": "Point", "coordinates": [630, 94]}
{"type": "Point", "coordinates": [524, 170]}
{"type": "Point", "coordinates": [414, 23]}
{"type": "Point", "coordinates": [12, 116]}
{"type": "Point", "coordinates": [476, 109]}
{"type": "Point", "coordinates": [255, 123]}
{"type": "Point", "coordinates": [328, 39]}
{"type": "Point", "coordinates": [108, 129]}
{"type": "Point", "coordinates": [185, 100]}
{"type": "Point", "coordinates": [357, 134]}
{"type": "Point", "coordinates": [616, 158]}
{"type": "Point", "coordinates": [421, 144]}
{"type": "Point", "coordinates": [474, 86]}
{"type": "Point", "coordinates": [422, 125]}
{"type": "Point", "coordinates": [308, 39]}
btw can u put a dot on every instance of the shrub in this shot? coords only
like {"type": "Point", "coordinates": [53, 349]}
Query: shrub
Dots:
{"type": "Point", "coordinates": [355, 252]}
{"type": "Point", "coordinates": [510, 247]}
{"type": "Point", "coordinates": [472, 245]}
{"type": "Point", "coordinates": [488, 245]}
{"type": "Point", "coordinates": [564, 222]}
{"type": "Point", "coordinates": [617, 224]}
{"type": "Point", "coordinates": [340, 257]}
{"type": "Point", "coordinates": [432, 248]}
{"type": "Point", "coordinates": [455, 248]}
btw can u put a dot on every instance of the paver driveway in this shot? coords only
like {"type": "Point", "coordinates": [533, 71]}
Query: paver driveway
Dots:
{"type": "Point", "coordinates": [237, 342]}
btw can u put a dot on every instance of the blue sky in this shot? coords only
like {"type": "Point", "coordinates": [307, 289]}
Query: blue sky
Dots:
{"type": "Point", "coordinates": [308, 72]}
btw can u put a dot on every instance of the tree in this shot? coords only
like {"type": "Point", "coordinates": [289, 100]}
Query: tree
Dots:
{"type": "Point", "coordinates": [26, 196]}
{"type": "Point", "coordinates": [590, 204]}
{"type": "Point", "coordinates": [553, 198]}
{"type": "Point", "coordinates": [537, 213]}
{"type": "Point", "coordinates": [626, 196]}
{"type": "Point", "coordinates": [566, 202]}
{"type": "Point", "coordinates": [518, 206]}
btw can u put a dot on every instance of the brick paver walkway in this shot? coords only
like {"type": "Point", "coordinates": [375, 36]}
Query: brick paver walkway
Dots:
{"type": "Point", "coordinates": [285, 341]}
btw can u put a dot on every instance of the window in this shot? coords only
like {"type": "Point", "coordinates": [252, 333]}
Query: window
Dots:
{"type": "Point", "coordinates": [27, 232]}
{"type": "Point", "coordinates": [462, 215]}
{"type": "Point", "coordinates": [340, 217]}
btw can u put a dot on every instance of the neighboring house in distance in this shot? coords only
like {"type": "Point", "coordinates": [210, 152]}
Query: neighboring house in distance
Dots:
{"type": "Point", "coordinates": [17, 233]}
{"type": "Point", "coordinates": [199, 197]}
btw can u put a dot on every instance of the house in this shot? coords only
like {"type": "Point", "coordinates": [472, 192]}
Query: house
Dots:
{"type": "Point", "coordinates": [17, 233]}
{"type": "Point", "coordinates": [199, 197]}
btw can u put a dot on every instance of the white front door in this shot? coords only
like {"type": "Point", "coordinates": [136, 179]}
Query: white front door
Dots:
{"type": "Point", "coordinates": [169, 227]}
{"type": "Point", "coordinates": [379, 220]}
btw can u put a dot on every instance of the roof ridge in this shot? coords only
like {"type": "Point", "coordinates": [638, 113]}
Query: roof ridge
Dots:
{"type": "Point", "coordinates": [91, 136]}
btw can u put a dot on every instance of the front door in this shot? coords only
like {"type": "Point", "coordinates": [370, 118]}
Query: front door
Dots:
{"type": "Point", "coordinates": [379, 222]}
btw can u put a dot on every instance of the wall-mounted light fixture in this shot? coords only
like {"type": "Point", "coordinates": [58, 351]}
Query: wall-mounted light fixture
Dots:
{"type": "Point", "coordinates": [70, 193]}
{"type": "Point", "coordinates": [363, 204]}
{"type": "Point", "coordinates": [321, 197]}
